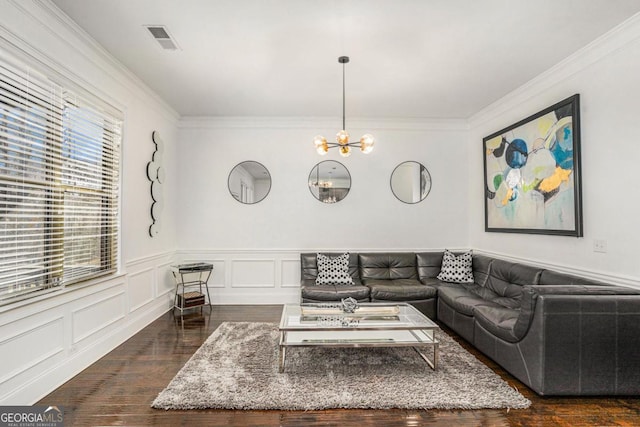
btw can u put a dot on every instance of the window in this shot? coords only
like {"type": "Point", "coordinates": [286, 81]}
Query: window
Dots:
{"type": "Point", "coordinates": [59, 175]}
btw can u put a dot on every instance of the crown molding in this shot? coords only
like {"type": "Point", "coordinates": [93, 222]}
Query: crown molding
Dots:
{"type": "Point", "coordinates": [49, 16]}
{"type": "Point", "coordinates": [262, 122]}
{"type": "Point", "coordinates": [268, 253]}
{"type": "Point", "coordinates": [609, 43]}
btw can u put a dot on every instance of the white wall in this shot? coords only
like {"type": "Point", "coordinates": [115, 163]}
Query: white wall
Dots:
{"type": "Point", "coordinates": [290, 219]}
{"type": "Point", "coordinates": [605, 74]}
{"type": "Point", "coordinates": [45, 342]}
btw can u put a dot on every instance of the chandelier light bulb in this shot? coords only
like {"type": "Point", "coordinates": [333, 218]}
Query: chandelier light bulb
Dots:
{"type": "Point", "coordinates": [322, 149]}
{"type": "Point", "coordinates": [366, 143]}
{"type": "Point", "coordinates": [319, 141]}
{"type": "Point", "coordinates": [345, 150]}
{"type": "Point", "coordinates": [342, 137]}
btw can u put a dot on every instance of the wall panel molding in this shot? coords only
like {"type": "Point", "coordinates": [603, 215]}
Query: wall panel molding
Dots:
{"type": "Point", "coordinates": [33, 358]}
{"type": "Point", "coordinates": [155, 259]}
{"type": "Point", "coordinates": [590, 274]}
{"type": "Point", "coordinates": [96, 316]}
{"type": "Point", "coordinates": [277, 284]}
{"type": "Point", "coordinates": [137, 288]}
{"type": "Point", "coordinates": [290, 273]}
{"type": "Point", "coordinates": [218, 277]}
{"type": "Point", "coordinates": [164, 279]}
{"type": "Point", "coordinates": [253, 273]}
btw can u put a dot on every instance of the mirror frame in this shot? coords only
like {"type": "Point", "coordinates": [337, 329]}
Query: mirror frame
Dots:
{"type": "Point", "coordinates": [421, 166]}
{"type": "Point", "coordinates": [265, 194]}
{"type": "Point", "coordinates": [310, 178]}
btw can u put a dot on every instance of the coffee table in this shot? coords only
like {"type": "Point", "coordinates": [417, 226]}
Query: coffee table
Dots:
{"type": "Point", "coordinates": [371, 325]}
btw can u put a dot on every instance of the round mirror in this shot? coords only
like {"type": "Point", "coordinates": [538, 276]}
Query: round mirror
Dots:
{"type": "Point", "coordinates": [249, 182]}
{"type": "Point", "coordinates": [329, 181]}
{"type": "Point", "coordinates": [410, 182]}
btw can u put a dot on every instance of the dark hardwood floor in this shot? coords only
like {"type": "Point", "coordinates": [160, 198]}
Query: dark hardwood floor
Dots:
{"type": "Point", "coordinates": [119, 388]}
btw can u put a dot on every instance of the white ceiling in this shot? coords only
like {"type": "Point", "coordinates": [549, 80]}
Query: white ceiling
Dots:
{"type": "Point", "coordinates": [409, 58]}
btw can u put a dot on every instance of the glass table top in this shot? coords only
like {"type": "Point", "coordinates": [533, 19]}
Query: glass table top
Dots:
{"type": "Point", "coordinates": [368, 316]}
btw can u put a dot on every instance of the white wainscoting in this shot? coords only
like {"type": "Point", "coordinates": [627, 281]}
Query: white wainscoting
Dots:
{"type": "Point", "coordinates": [98, 316]}
{"type": "Point", "coordinates": [260, 276]}
{"type": "Point", "coordinates": [142, 288]}
{"type": "Point", "coordinates": [272, 276]}
{"type": "Point", "coordinates": [250, 276]}
{"type": "Point", "coordinates": [46, 341]}
{"type": "Point", "coordinates": [631, 282]}
{"type": "Point", "coordinates": [253, 273]}
{"type": "Point", "coordinates": [164, 282]}
{"type": "Point", "coordinates": [44, 329]}
{"type": "Point", "coordinates": [290, 269]}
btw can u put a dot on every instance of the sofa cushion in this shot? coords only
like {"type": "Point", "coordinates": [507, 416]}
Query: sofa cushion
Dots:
{"type": "Point", "coordinates": [462, 300]}
{"type": "Point", "coordinates": [334, 292]}
{"type": "Point", "coordinates": [457, 269]}
{"type": "Point", "coordinates": [309, 266]}
{"type": "Point", "coordinates": [432, 281]}
{"type": "Point", "coordinates": [499, 320]}
{"type": "Point", "coordinates": [429, 264]}
{"type": "Point", "coordinates": [481, 268]}
{"type": "Point", "coordinates": [333, 270]}
{"type": "Point", "coordinates": [506, 279]}
{"type": "Point", "coordinates": [388, 266]}
{"type": "Point", "coordinates": [399, 290]}
{"type": "Point", "coordinates": [482, 292]}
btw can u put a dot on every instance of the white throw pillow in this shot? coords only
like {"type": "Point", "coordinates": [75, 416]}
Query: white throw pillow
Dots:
{"type": "Point", "coordinates": [457, 269]}
{"type": "Point", "coordinates": [333, 271]}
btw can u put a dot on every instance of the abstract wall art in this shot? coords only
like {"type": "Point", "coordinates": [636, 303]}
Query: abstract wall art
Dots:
{"type": "Point", "coordinates": [532, 174]}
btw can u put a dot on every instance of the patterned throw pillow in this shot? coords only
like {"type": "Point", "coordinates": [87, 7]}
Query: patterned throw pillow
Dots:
{"type": "Point", "coordinates": [457, 269]}
{"type": "Point", "coordinates": [333, 271]}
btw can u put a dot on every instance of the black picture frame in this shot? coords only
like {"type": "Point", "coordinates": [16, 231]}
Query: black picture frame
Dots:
{"type": "Point", "coordinates": [532, 174]}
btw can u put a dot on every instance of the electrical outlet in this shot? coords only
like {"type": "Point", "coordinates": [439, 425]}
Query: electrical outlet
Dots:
{"type": "Point", "coordinates": [600, 245]}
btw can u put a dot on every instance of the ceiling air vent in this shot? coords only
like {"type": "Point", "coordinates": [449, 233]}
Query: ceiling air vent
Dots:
{"type": "Point", "coordinates": [161, 35]}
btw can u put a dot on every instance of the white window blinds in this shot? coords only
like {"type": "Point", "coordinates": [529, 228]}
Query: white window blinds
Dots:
{"type": "Point", "coordinates": [59, 174]}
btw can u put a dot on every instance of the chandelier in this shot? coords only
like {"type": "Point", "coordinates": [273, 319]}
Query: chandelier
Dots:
{"type": "Point", "coordinates": [342, 138]}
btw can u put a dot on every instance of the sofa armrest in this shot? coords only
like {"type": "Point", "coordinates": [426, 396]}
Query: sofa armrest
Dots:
{"type": "Point", "coordinates": [587, 343]}
{"type": "Point", "coordinates": [570, 297]}
{"type": "Point", "coordinates": [572, 294]}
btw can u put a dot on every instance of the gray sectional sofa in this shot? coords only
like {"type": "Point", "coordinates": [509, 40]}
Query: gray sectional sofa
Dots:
{"type": "Point", "coordinates": [558, 334]}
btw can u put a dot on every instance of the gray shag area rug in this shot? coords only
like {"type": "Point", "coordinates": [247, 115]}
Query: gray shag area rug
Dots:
{"type": "Point", "coordinates": [237, 368]}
